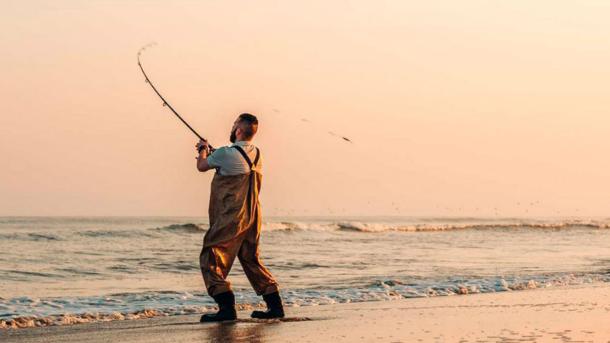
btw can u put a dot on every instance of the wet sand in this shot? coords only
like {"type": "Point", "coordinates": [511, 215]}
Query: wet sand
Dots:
{"type": "Point", "coordinates": [567, 314]}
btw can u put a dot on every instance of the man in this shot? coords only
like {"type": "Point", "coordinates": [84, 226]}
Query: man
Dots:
{"type": "Point", "coordinates": [235, 222]}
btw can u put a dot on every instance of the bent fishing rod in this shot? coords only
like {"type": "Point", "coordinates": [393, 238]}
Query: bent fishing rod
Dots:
{"type": "Point", "coordinates": [165, 103]}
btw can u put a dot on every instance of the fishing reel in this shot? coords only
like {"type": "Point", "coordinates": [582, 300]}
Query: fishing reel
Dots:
{"type": "Point", "coordinates": [201, 147]}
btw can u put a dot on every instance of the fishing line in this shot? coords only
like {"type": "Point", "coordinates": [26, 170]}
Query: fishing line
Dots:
{"type": "Point", "coordinates": [166, 104]}
{"type": "Point", "coordinates": [332, 133]}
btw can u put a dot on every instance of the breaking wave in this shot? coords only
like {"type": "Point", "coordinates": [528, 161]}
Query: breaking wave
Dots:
{"type": "Point", "coordinates": [25, 312]}
{"type": "Point", "coordinates": [372, 227]}
{"type": "Point", "coordinates": [185, 228]}
{"type": "Point", "coordinates": [347, 226]}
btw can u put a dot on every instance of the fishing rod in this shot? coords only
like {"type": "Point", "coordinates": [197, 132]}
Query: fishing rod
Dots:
{"type": "Point", "coordinates": [165, 103]}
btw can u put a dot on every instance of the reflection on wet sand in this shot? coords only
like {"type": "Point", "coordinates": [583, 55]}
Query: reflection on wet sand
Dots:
{"type": "Point", "coordinates": [246, 330]}
{"type": "Point", "coordinates": [231, 332]}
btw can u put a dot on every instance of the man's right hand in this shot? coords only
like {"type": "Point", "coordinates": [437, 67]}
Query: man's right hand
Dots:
{"type": "Point", "coordinates": [203, 145]}
{"type": "Point", "coordinates": [204, 149]}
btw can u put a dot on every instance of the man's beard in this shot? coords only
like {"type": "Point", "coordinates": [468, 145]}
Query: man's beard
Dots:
{"type": "Point", "coordinates": [233, 137]}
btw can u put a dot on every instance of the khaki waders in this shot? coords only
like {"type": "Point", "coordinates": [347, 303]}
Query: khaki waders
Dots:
{"type": "Point", "coordinates": [235, 226]}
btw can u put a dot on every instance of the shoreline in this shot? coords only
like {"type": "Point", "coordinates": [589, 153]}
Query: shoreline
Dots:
{"type": "Point", "coordinates": [563, 313]}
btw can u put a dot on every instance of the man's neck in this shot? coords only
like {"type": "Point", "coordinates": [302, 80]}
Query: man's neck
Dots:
{"type": "Point", "coordinates": [242, 142]}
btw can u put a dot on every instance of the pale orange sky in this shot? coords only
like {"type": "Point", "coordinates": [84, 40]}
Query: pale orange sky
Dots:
{"type": "Point", "coordinates": [456, 108]}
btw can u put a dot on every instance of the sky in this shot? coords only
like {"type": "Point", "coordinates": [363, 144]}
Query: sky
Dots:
{"type": "Point", "coordinates": [455, 108]}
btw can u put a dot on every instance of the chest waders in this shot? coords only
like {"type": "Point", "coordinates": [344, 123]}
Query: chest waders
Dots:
{"type": "Point", "coordinates": [235, 226]}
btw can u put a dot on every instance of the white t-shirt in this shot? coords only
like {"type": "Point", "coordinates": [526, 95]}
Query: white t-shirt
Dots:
{"type": "Point", "coordinates": [229, 161]}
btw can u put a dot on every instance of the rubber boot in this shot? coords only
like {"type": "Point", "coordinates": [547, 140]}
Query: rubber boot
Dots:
{"type": "Point", "coordinates": [275, 309]}
{"type": "Point", "coordinates": [226, 309]}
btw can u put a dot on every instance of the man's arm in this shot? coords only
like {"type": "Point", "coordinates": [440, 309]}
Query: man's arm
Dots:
{"type": "Point", "coordinates": [202, 162]}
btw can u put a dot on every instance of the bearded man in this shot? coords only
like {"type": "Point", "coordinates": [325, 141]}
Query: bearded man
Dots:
{"type": "Point", "coordinates": [235, 222]}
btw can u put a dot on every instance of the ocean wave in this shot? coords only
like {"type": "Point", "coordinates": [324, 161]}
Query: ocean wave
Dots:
{"type": "Point", "coordinates": [175, 266]}
{"type": "Point", "coordinates": [267, 226]}
{"type": "Point", "coordinates": [70, 319]}
{"type": "Point", "coordinates": [184, 228]}
{"type": "Point", "coordinates": [115, 233]}
{"type": "Point", "coordinates": [299, 266]}
{"type": "Point", "coordinates": [27, 312]}
{"type": "Point", "coordinates": [294, 226]}
{"type": "Point", "coordinates": [31, 236]}
{"type": "Point", "coordinates": [380, 227]}
{"type": "Point", "coordinates": [43, 237]}
{"type": "Point", "coordinates": [31, 321]}
{"type": "Point", "coordinates": [20, 275]}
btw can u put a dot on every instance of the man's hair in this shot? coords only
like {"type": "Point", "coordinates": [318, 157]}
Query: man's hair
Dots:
{"type": "Point", "coordinates": [249, 124]}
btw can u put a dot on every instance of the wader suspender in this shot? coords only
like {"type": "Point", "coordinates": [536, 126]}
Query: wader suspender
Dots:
{"type": "Point", "coordinates": [250, 164]}
{"type": "Point", "coordinates": [243, 153]}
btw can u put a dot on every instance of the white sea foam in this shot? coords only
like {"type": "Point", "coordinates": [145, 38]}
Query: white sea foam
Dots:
{"type": "Point", "coordinates": [392, 227]}
{"type": "Point", "coordinates": [380, 227]}
{"type": "Point", "coordinates": [172, 303]}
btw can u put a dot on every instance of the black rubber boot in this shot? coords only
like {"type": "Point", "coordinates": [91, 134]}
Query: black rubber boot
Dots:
{"type": "Point", "coordinates": [275, 309]}
{"type": "Point", "coordinates": [226, 309]}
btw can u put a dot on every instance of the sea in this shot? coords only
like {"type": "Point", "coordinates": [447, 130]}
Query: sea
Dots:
{"type": "Point", "coordinates": [70, 270]}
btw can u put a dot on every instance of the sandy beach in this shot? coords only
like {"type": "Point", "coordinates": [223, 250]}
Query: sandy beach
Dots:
{"type": "Point", "coordinates": [563, 314]}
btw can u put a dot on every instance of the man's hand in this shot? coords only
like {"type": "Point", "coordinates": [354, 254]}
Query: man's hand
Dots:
{"type": "Point", "coordinates": [204, 149]}
{"type": "Point", "coordinates": [203, 146]}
